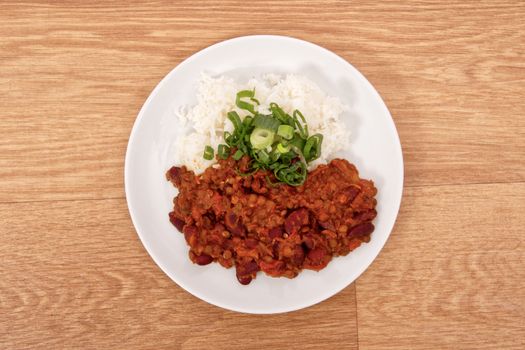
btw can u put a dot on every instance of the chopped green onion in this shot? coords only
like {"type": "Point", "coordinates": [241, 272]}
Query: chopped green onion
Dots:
{"type": "Point", "coordinates": [238, 154]}
{"type": "Point", "coordinates": [266, 122]}
{"type": "Point", "coordinates": [286, 158]}
{"type": "Point", "coordinates": [307, 147]}
{"type": "Point", "coordinates": [285, 131]}
{"type": "Point", "coordinates": [261, 138]}
{"type": "Point", "coordinates": [243, 104]}
{"type": "Point", "coordinates": [274, 156]}
{"type": "Point", "coordinates": [312, 148]}
{"type": "Point", "coordinates": [303, 130]}
{"type": "Point", "coordinates": [231, 140]}
{"type": "Point", "coordinates": [299, 154]}
{"type": "Point", "coordinates": [319, 142]}
{"type": "Point", "coordinates": [282, 148]}
{"type": "Point", "coordinates": [223, 151]}
{"type": "Point", "coordinates": [208, 153]}
{"type": "Point", "coordinates": [276, 142]}
{"type": "Point", "coordinates": [235, 119]}
{"type": "Point", "coordinates": [280, 114]}
{"type": "Point", "coordinates": [243, 148]}
{"type": "Point", "coordinates": [247, 121]}
{"type": "Point", "coordinates": [297, 141]}
{"type": "Point", "coordinates": [294, 175]}
{"type": "Point", "coordinates": [263, 156]}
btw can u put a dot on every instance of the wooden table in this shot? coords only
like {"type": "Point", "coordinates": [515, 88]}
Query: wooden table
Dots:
{"type": "Point", "coordinates": [73, 273]}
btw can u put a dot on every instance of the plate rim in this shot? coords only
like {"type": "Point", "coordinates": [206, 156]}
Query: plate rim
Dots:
{"type": "Point", "coordinates": [138, 121]}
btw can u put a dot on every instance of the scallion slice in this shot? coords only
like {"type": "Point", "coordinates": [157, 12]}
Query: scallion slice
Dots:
{"type": "Point", "coordinates": [223, 151]}
{"type": "Point", "coordinates": [266, 122]}
{"type": "Point", "coordinates": [276, 142]}
{"type": "Point", "coordinates": [303, 129]}
{"type": "Point", "coordinates": [238, 154]}
{"type": "Point", "coordinates": [312, 148]}
{"type": "Point", "coordinates": [285, 131]}
{"type": "Point", "coordinates": [243, 104]}
{"type": "Point", "coordinates": [297, 141]}
{"type": "Point", "coordinates": [263, 156]}
{"type": "Point", "coordinates": [274, 156]}
{"type": "Point", "coordinates": [247, 121]}
{"type": "Point", "coordinates": [281, 148]}
{"type": "Point", "coordinates": [281, 115]}
{"type": "Point", "coordinates": [208, 153]}
{"type": "Point", "coordinates": [261, 138]}
{"type": "Point", "coordinates": [235, 119]}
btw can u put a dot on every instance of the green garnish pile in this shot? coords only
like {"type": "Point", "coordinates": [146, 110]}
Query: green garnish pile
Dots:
{"type": "Point", "coordinates": [276, 142]}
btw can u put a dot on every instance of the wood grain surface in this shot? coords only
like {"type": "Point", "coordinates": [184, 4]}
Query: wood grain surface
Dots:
{"type": "Point", "coordinates": [73, 76]}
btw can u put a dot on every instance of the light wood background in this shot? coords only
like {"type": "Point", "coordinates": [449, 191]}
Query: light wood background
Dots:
{"type": "Point", "coordinates": [73, 76]}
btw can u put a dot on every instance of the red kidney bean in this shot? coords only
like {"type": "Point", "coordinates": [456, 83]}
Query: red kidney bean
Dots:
{"type": "Point", "coordinates": [244, 280]}
{"type": "Point", "coordinates": [316, 255]}
{"type": "Point", "coordinates": [234, 224]}
{"type": "Point", "coordinates": [296, 220]}
{"type": "Point", "coordinates": [327, 225]}
{"type": "Point", "coordinates": [203, 259]}
{"type": "Point", "coordinates": [190, 233]}
{"type": "Point", "coordinates": [249, 268]}
{"type": "Point", "coordinates": [230, 219]}
{"type": "Point", "coordinates": [366, 215]}
{"type": "Point", "coordinates": [173, 175]}
{"type": "Point", "coordinates": [298, 255]}
{"type": "Point", "coordinates": [348, 194]}
{"type": "Point", "coordinates": [245, 271]}
{"type": "Point", "coordinates": [363, 229]}
{"type": "Point", "coordinates": [251, 243]}
{"type": "Point", "coordinates": [276, 232]}
{"type": "Point", "coordinates": [275, 249]}
{"type": "Point", "coordinates": [178, 223]}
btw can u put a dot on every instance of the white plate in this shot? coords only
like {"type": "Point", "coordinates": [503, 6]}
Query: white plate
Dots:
{"type": "Point", "coordinates": [375, 150]}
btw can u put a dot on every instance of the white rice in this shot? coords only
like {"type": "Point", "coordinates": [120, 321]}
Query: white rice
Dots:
{"type": "Point", "coordinates": [216, 97]}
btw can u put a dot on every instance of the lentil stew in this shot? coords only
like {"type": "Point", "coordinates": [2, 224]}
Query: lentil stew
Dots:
{"type": "Point", "coordinates": [251, 223]}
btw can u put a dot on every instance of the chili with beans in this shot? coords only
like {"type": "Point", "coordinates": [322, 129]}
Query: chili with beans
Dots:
{"type": "Point", "coordinates": [255, 225]}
